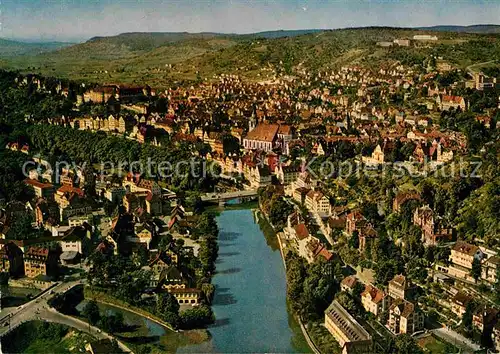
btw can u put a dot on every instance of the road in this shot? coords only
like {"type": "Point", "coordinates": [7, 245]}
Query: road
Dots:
{"type": "Point", "coordinates": [456, 339]}
{"type": "Point", "coordinates": [469, 68]}
{"type": "Point", "coordinates": [319, 221]}
{"type": "Point", "coordinates": [38, 309]}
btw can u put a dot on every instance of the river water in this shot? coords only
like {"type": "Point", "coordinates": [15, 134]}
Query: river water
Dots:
{"type": "Point", "coordinates": [250, 296]}
{"type": "Point", "coordinates": [249, 303]}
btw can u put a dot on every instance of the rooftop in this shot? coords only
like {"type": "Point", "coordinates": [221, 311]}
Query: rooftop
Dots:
{"type": "Point", "coordinates": [263, 132]}
{"type": "Point", "coordinates": [466, 248]}
{"type": "Point", "coordinates": [349, 326]}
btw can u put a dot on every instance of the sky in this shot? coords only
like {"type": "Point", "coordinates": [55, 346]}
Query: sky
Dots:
{"type": "Point", "coordinates": [79, 20]}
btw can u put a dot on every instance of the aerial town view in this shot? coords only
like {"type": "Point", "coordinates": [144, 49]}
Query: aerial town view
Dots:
{"type": "Point", "coordinates": [250, 176]}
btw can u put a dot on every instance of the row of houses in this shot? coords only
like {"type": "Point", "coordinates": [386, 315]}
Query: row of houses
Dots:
{"type": "Point", "coordinates": [462, 258]}
{"type": "Point", "coordinates": [404, 316]}
{"type": "Point", "coordinates": [41, 256]}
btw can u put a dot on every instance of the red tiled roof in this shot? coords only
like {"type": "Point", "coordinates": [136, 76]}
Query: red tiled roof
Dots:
{"type": "Point", "coordinates": [185, 291]}
{"type": "Point", "coordinates": [327, 255]}
{"type": "Point", "coordinates": [35, 183]}
{"type": "Point", "coordinates": [405, 307]}
{"type": "Point", "coordinates": [68, 189]}
{"type": "Point", "coordinates": [37, 251]}
{"type": "Point", "coordinates": [285, 130]}
{"type": "Point", "coordinates": [301, 231]}
{"type": "Point", "coordinates": [466, 248]}
{"type": "Point", "coordinates": [454, 99]}
{"type": "Point", "coordinates": [349, 281]}
{"type": "Point", "coordinates": [263, 132]}
{"type": "Point", "coordinates": [375, 294]}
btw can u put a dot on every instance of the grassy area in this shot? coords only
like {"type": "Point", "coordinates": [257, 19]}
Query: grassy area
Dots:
{"type": "Point", "coordinates": [323, 339]}
{"type": "Point", "coordinates": [41, 337]}
{"type": "Point", "coordinates": [433, 345]}
{"type": "Point", "coordinates": [366, 276]}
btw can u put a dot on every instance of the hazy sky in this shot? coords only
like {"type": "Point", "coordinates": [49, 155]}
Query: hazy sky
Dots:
{"type": "Point", "coordinates": [77, 20]}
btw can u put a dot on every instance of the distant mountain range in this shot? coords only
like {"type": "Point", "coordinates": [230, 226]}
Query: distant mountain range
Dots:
{"type": "Point", "coordinates": [138, 40]}
{"type": "Point", "coordinates": [10, 48]}
{"type": "Point", "coordinates": [150, 40]}
{"type": "Point", "coordinates": [485, 29]}
{"type": "Point", "coordinates": [164, 58]}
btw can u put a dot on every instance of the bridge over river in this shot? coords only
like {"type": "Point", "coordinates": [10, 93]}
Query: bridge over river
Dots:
{"type": "Point", "coordinates": [222, 198]}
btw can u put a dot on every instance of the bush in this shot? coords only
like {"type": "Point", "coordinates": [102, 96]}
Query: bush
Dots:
{"type": "Point", "coordinates": [197, 317]}
{"type": "Point", "coordinates": [91, 312]}
{"type": "Point", "coordinates": [112, 323]}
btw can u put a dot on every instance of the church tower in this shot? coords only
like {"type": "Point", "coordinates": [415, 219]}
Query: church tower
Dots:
{"type": "Point", "coordinates": [252, 123]}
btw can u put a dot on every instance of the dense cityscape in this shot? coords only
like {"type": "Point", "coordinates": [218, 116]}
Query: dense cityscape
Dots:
{"type": "Point", "coordinates": [350, 207]}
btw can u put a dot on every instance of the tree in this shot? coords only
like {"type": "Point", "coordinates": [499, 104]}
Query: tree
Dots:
{"type": "Point", "coordinates": [132, 285]}
{"type": "Point", "coordinates": [22, 229]}
{"type": "Point", "coordinates": [194, 202]}
{"type": "Point", "coordinates": [358, 289]}
{"type": "Point", "coordinates": [443, 255]}
{"type": "Point", "coordinates": [91, 312]}
{"type": "Point", "coordinates": [166, 302]}
{"type": "Point", "coordinates": [165, 242]}
{"type": "Point", "coordinates": [476, 269]}
{"type": "Point", "coordinates": [430, 254]}
{"type": "Point", "coordinates": [279, 211]}
{"type": "Point", "coordinates": [207, 225]}
{"type": "Point", "coordinates": [207, 254]}
{"type": "Point", "coordinates": [497, 285]}
{"type": "Point", "coordinates": [97, 264]}
{"type": "Point", "coordinates": [319, 288]}
{"type": "Point", "coordinates": [209, 291]}
{"type": "Point", "coordinates": [467, 317]}
{"type": "Point", "coordinates": [197, 317]}
{"type": "Point", "coordinates": [4, 278]}
{"type": "Point", "coordinates": [295, 274]}
{"type": "Point", "coordinates": [112, 323]}
{"type": "Point", "coordinates": [349, 303]}
{"type": "Point", "coordinates": [167, 308]}
{"type": "Point", "coordinates": [354, 240]}
{"type": "Point", "coordinates": [141, 256]}
{"type": "Point", "coordinates": [384, 272]}
{"type": "Point", "coordinates": [230, 144]}
{"type": "Point", "coordinates": [406, 344]}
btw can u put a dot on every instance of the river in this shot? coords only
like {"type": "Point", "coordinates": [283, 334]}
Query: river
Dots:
{"type": "Point", "coordinates": [249, 303]}
{"type": "Point", "coordinates": [250, 296]}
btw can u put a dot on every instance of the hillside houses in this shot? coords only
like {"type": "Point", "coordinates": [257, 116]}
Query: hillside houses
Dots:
{"type": "Point", "coordinates": [374, 300]}
{"type": "Point", "coordinates": [361, 228]}
{"type": "Point", "coordinates": [433, 230]}
{"type": "Point", "coordinates": [405, 317]}
{"type": "Point", "coordinates": [446, 102]}
{"type": "Point", "coordinates": [296, 234]}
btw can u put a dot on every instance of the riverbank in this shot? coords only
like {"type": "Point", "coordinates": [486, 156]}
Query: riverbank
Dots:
{"type": "Point", "coordinates": [261, 218]}
{"type": "Point", "coordinates": [103, 298]}
{"type": "Point", "coordinates": [144, 335]}
{"type": "Point", "coordinates": [250, 297]}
